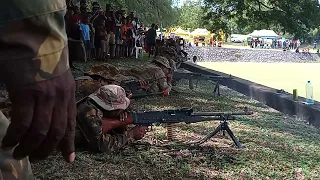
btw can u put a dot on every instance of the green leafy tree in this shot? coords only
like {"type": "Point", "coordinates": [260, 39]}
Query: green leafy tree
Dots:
{"type": "Point", "coordinates": [191, 15]}
{"type": "Point", "coordinates": [295, 17]}
{"type": "Point", "coordinates": [148, 11]}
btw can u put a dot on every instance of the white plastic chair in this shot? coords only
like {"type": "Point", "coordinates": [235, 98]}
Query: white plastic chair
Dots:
{"type": "Point", "coordinates": [139, 50]}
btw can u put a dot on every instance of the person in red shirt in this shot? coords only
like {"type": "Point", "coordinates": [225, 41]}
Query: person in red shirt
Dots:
{"type": "Point", "coordinates": [124, 48]}
{"type": "Point", "coordinates": [130, 39]}
{"type": "Point", "coordinates": [76, 17]}
{"type": "Point", "coordinates": [73, 22]}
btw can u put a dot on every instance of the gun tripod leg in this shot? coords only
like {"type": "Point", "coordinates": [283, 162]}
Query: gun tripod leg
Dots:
{"type": "Point", "coordinates": [233, 137]}
{"type": "Point", "coordinates": [216, 89]}
{"type": "Point", "coordinates": [209, 136]}
{"type": "Point", "coordinates": [222, 127]}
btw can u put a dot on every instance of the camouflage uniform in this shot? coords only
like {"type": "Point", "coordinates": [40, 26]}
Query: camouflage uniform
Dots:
{"type": "Point", "coordinates": [152, 71]}
{"type": "Point", "coordinates": [104, 69]}
{"type": "Point", "coordinates": [85, 86]}
{"type": "Point", "coordinates": [33, 48]}
{"type": "Point", "coordinates": [170, 54]}
{"type": "Point", "coordinates": [109, 72]}
{"type": "Point", "coordinates": [89, 118]}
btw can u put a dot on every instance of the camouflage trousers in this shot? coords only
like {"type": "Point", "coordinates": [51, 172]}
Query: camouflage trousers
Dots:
{"type": "Point", "coordinates": [11, 169]}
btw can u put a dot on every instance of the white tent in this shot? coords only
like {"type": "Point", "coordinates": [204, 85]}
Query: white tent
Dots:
{"type": "Point", "coordinates": [181, 31]}
{"type": "Point", "coordinates": [200, 32]}
{"type": "Point", "coordinates": [263, 33]}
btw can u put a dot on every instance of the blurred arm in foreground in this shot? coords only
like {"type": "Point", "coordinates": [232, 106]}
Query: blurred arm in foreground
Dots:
{"type": "Point", "coordinates": [34, 67]}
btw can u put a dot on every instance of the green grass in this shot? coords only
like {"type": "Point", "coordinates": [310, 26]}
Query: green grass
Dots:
{"type": "Point", "coordinates": [287, 76]}
{"type": "Point", "coordinates": [277, 147]}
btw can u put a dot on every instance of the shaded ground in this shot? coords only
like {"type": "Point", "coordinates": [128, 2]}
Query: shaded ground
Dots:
{"type": "Point", "coordinates": [277, 147]}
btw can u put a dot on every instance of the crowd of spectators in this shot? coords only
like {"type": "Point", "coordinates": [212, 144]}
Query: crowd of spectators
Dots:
{"type": "Point", "coordinates": [106, 34]}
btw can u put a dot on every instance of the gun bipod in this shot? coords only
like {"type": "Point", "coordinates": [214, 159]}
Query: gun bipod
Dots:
{"type": "Point", "coordinates": [223, 127]}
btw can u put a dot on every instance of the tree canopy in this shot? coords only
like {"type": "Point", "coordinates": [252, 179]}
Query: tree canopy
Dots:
{"type": "Point", "coordinates": [191, 14]}
{"type": "Point", "coordinates": [296, 17]}
{"type": "Point", "coordinates": [149, 11]}
{"type": "Point", "coordinates": [299, 18]}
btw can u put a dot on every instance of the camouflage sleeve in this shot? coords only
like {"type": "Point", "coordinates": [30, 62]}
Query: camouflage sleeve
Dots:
{"type": "Point", "coordinates": [162, 81]}
{"type": "Point", "coordinates": [85, 86]}
{"type": "Point", "coordinates": [9, 167]}
{"type": "Point", "coordinates": [33, 40]}
{"type": "Point", "coordinates": [90, 124]}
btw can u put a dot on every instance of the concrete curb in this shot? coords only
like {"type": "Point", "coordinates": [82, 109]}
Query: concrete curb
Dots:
{"type": "Point", "coordinates": [269, 96]}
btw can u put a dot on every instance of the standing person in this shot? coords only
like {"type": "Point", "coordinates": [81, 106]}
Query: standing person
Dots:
{"type": "Point", "coordinates": [111, 29]}
{"type": "Point", "coordinates": [34, 67]}
{"type": "Point", "coordinates": [124, 49]}
{"type": "Point", "coordinates": [92, 38]}
{"type": "Point", "coordinates": [73, 24]}
{"type": "Point", "coordinates": [101, 39]}
{"type": "Point", "coordinates": [151, 38]}
{"type": "Point", "coordinates": [118, 21]}
{"type": "Point", "coordinates": [85, 34]}
{"type": "Point", "coordinates": [130, 40]}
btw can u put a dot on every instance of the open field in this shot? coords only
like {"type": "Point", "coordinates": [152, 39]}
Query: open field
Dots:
{"type": "Point", "coordinates": [287, 76]}
{"type": "Point", "coordinates": [277, 147]}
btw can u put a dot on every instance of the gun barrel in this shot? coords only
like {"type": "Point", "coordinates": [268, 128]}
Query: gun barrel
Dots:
{"type": "Point", "coordinates": [221, 113]}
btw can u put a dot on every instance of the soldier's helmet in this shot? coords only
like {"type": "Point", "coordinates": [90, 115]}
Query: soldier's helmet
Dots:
{"type": "Point", "coordinates": [163, 61]}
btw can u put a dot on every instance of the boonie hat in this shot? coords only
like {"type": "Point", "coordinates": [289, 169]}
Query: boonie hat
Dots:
{"type": "Point", "coordinates": [111, 97]}
{"type": "Point", "coordinates": [162, 60]}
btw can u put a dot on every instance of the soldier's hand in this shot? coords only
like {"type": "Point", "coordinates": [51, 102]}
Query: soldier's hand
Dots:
{"type": "Point", "coordinates": [43, 118]}
{"type": "Point", "coordinates": [137, 132]}
{"type": "Point", "coordinates": [123, 115]}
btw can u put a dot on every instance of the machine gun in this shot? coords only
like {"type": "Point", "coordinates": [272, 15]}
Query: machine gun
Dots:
{"type": "Point", "coordinates": [177, 76]}
{"type": "Point", "coordinates": [185, 115]}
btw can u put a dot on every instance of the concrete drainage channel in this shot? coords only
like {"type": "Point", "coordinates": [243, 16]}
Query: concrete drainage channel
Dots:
{"type": "Point", "coordinates": [282, 102]}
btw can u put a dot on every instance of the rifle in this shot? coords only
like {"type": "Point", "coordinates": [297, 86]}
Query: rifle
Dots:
{"type": "Point", "coordinates": [177, 76]}
{"type": "Point", "coordinates": [136, 87]}
{"type": "Point", "coordinates": [185, 115]}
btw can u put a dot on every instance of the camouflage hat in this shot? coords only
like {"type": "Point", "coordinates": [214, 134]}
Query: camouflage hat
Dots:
{"type": "Point", "coordinates": [170, 51]}
{"type": "Point", "coordinates": [163, 61]}
{"type": "Point", "coordinates": [111, 97]}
